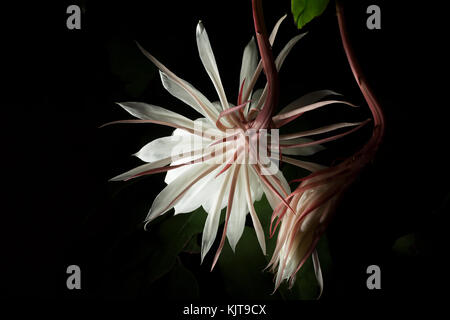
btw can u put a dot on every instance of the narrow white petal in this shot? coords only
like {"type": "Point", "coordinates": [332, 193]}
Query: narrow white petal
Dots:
{"type": "Point", "coordinates": [249, 64]}
{"type": "Point", "coordinates": [198, 193]}
{"type": "Point", "coordinates": [308, 98]}
{"type": "Point", "coordinates": [301, 151]}
{"type": "Point", "coordinates": [317, 271]}
{"type": "Point", "coordinates": [320, 130]}
{"type": "Point", "coordinates": [164, 147]}
{"type": "Point", "coordinates": [256, 223]}
{"type": "Point", "coordinates": [151, 112]}
{"type": "Point", "coordinates": [239, 211]}
{"type": "Point", "coordinates": [172, 193]}
{"type": "Point", "coordinates": [142, 168]}
{"type": "Point", "coordinates": [270, 195]}
{"type": "Point", "coordinates": [252, 81]}
{"type": "Point", "coordinates": [212, 221]}
{"type": "Point", "coordinates": [184, 91]}
{"type": "Point", "coordinates": [311, 166]}
{"type": "Point", "coordinates": [209, 62]}
{"type": "Point", "coordinates": [274, 32]}
{"type": "Point", "coordinates": [255, 186]}
{"type": "Point", "coordinates": [285, 51]}
{"type": "Point", "coordinates": [190, 94]}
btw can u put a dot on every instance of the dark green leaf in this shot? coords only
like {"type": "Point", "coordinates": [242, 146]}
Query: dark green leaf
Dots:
{"type": "Point", "coordinates": [406, 245]}
{"type": "Point", "coordinates": [173, 236]}
{"type": "Point", "coordinates": [192, 246]}
{"type": "Point", "coordinates": [181, 283]}
{"type": "Point", "coordinates": [306, 10]}
{"type": "Point", "coordinates": [242, 271]}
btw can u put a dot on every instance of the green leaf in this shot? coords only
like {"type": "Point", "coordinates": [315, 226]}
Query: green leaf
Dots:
{"type": "Point", "coordinates": [192, 246]}
{"type": "Point", "coordinates": [306, 10]}
{"type": "Point", "coordinates": [173, 235]}
{"type": "Point", "coordinates": [242, 271]}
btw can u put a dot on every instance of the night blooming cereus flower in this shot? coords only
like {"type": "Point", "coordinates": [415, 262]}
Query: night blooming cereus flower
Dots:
{"type": "Point", "coordinates": [228, 148]}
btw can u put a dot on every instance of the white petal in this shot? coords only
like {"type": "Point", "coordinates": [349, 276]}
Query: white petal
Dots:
{"type": "Point", "coordinates": [301, 151]}
{"type": "Point", "coordinates": [198, 193]}
{"type": "Point", "coordinates": [255, 186]}
{"type": "Point", "coordinates": [256, 223]}
{"type": "Point", "coordinates": [272, 198]}
{"type": "Point", "coordinates": [274, 32]}
{"type": "Point", "coordinates": [166, 199]}
{"type": "Point", "coordinates": [219, 108]}
{"type": "Point", "coordinates": [239, 210]}
{"type": "Point", "coordinates": [150, 112]}
{"type": "Point", "coordinates": [317, 271]}
{"type": "Point", "coordinates": [308, 98]}
{"type": "Point", "coordinates": [249, 64]}
{"type": "Point", "coordinates": [209, 62]}
{"type": "Point", "coordinates": [142, 168]}
{"type": "Point", "coordinates": [184, 91]}
{"type": "Point", "coordinates": [212, 221]}
{"type": "Point", "coordinates": [200, 145]}
{"type": "Point", "coordinates": [285, 51]}
{"type": "Point", "coordinates": [165, 147]}
{"type": "Point", "coordinates": [280, 60]}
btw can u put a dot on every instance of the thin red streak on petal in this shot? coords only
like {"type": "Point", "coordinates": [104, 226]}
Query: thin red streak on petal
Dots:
{"type": "Point", "coordinates": [228, 165]}
{"type": "Point", "coordinates": [229, 206]}
{"type": "Point", "coordinates": [241, 111]}
{"type": "Point", "coordinates": [259, 66]}
{"type": "Point", "coordinates": [310, 107]}
{"type": "Point", "coordinates": [164, 123]}
{"type": "Point", "coordinates": [279, 185]}
{"type": "Point", "coordinates": [241, 92]}
{"type": "Point", "coordinates": [280, 123]}
{"type": "Point", "coordinates": [230, 111]}
{"type": "Point", "coordinates": [145, 121]}
{"type": "Point", "coordinates": [253, 110]}
{"type": "Point", "coordinates": [324, 172]}
{"type": "Point", "coordinates": [272, 188]}
{"type": "Point", "coordinates": [291, 242]}
{"type": "Point", "coordinates": [199, 177]}
{"type": "Point", "coordinates": [179, 81]}
{"type": "Point", "coordinates": [276, 215]}
{"type": "Point", "coordinates": [310, 166]}
{"type": "Point", "coordinates": [310, 251]}
{"type": "Point", "coordinates": [320, 201]}
{"type": "Point", "coordinates": [315, 205]}
{"type": "Point", "coordinates": [253, 214]}
{"type": "Point", "coordinates": [317, 131]}
{"type": "Point", "coordinates": [335, 137]}
{"type": "Point", "coordinates": [157, 170]}
{"type": "Point", "coordinates": [203, 158]}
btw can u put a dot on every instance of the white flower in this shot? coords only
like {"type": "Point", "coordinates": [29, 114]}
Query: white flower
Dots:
{"type": "Point", "coordinates": [212, 162]}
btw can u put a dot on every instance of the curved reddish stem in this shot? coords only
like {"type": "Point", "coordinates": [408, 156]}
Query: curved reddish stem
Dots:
{"type": "Point", "coordinates": [263, 119]}
{"type": "Point", "coordinates": [377, 113]}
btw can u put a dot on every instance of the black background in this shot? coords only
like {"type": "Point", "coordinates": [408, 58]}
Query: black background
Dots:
{"type": "Point", "coordinates": [60, 85]}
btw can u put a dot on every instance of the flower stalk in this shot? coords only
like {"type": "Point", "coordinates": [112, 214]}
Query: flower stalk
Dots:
{"type": "Point", "coordinates": [318, 194]}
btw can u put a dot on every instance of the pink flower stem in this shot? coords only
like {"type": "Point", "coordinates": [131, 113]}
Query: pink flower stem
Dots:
{"type": "Point", "coordinates": [377, 113]}
{"type": "Point", "coordinates": [264, 117]}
